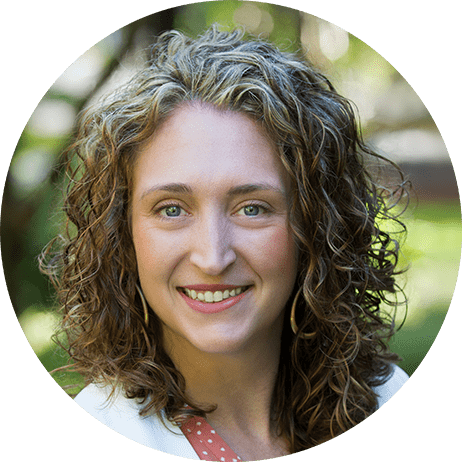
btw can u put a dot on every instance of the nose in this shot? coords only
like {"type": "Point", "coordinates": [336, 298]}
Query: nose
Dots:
{"type": "Point", "coordinates": [212, 250]}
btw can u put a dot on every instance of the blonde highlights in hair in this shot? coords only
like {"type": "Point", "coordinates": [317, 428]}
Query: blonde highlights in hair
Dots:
{"type": "Point", "coordinates": [347, 262]}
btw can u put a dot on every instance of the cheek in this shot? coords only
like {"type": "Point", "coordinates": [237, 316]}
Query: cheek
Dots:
{"type": "Point", "coordinates": [154, 252]}
{"type": "Point", "coordinates": [277, 255]}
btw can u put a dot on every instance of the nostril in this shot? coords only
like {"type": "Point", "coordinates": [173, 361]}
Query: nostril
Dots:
{"type": "Point", "coordinates": [211, 262]}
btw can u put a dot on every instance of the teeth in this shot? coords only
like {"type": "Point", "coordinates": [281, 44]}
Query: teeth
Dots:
{"type": "Point", "coordinates": [208, 297]}
{"type": "Point", "coordinates": [212, 297]}
{"type": "Point", "coordinates": [217, 296]}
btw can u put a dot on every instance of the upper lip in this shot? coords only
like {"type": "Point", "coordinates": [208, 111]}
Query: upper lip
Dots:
{"type": "Point", "coordinates": [212, 287]}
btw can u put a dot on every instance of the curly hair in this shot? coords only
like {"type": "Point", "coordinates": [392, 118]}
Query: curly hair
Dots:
{"type": "Point", "coordinates": [347, 261]}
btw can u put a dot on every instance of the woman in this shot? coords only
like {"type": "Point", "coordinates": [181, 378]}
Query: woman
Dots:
{"type": "Point", "coordinates": [224, 266]}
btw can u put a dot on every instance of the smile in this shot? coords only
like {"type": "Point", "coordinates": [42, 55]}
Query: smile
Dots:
{"type": "Point", "coordinates": [213, 297]}
{"type": "Point", "coordinates": [209, 302]}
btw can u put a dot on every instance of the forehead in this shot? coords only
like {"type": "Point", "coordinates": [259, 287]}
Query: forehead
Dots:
{"type": "Point", "coordinates": [201, 144]}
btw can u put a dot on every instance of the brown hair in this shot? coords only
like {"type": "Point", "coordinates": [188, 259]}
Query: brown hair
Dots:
{"type": "Point", "coordinates": [347, 262]}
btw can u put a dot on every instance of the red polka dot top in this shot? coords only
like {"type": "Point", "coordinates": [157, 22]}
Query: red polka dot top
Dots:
{"type": "Point", "coordinates": [206, 442]}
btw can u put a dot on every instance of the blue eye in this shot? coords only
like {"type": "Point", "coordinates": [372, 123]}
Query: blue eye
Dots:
{"type": "Point", "coordinates": [251, 210]}
{"type": "Point", "coordinates": [171, 211]}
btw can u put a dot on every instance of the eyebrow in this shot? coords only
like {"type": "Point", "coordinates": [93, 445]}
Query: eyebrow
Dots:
{"type": "Point", "coordinates": [254, 187]}
{"type": "Point", "coordinates": [179, 188]}
{"type": "Point", "coordinates": [183, 188]}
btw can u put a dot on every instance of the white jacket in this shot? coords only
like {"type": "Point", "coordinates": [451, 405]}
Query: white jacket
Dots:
{"type": "Point", "coordinates": [122, 415]}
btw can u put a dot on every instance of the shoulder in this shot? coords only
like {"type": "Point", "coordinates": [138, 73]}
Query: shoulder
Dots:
{"type": "Point", "coordinates": [396, 380]}
{"type": "Point", "coordinates": [122, 415]}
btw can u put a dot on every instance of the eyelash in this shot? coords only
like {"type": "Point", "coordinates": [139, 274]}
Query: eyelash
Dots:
{"type": "Point", "coordinates": [166, 206]}
{"type": "Point", "coordinates": [263, 208]}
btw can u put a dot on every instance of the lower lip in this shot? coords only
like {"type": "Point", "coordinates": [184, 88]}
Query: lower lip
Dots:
{"type": "Point", "coordinates": [211, 308]}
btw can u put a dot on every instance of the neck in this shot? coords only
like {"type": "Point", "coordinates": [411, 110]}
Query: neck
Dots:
{"type": "Point", "coordinates": [240, 383]}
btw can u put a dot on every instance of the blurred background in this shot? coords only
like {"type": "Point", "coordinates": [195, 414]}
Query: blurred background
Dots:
{"type": "Point", "coordinates": [393, 118]}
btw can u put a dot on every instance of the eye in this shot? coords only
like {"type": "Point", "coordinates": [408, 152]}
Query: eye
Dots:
{"type": "Point", "coordinates": [171, 211]}
{"type": "Point", "coordinates": [252, 210]}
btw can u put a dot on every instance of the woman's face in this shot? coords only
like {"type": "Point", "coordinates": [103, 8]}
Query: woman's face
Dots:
{"type": "Point", "coordinates": [216, 257]}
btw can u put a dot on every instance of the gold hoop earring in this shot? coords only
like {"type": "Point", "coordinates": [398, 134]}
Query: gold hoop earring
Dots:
{"type": "Point", "coordinates": [293, 323]}
{"type": "Point", "coordinates": [145, 305]}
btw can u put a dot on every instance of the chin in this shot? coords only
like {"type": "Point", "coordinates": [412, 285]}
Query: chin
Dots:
{"type": "Point", "coordinates": [220, 344]}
